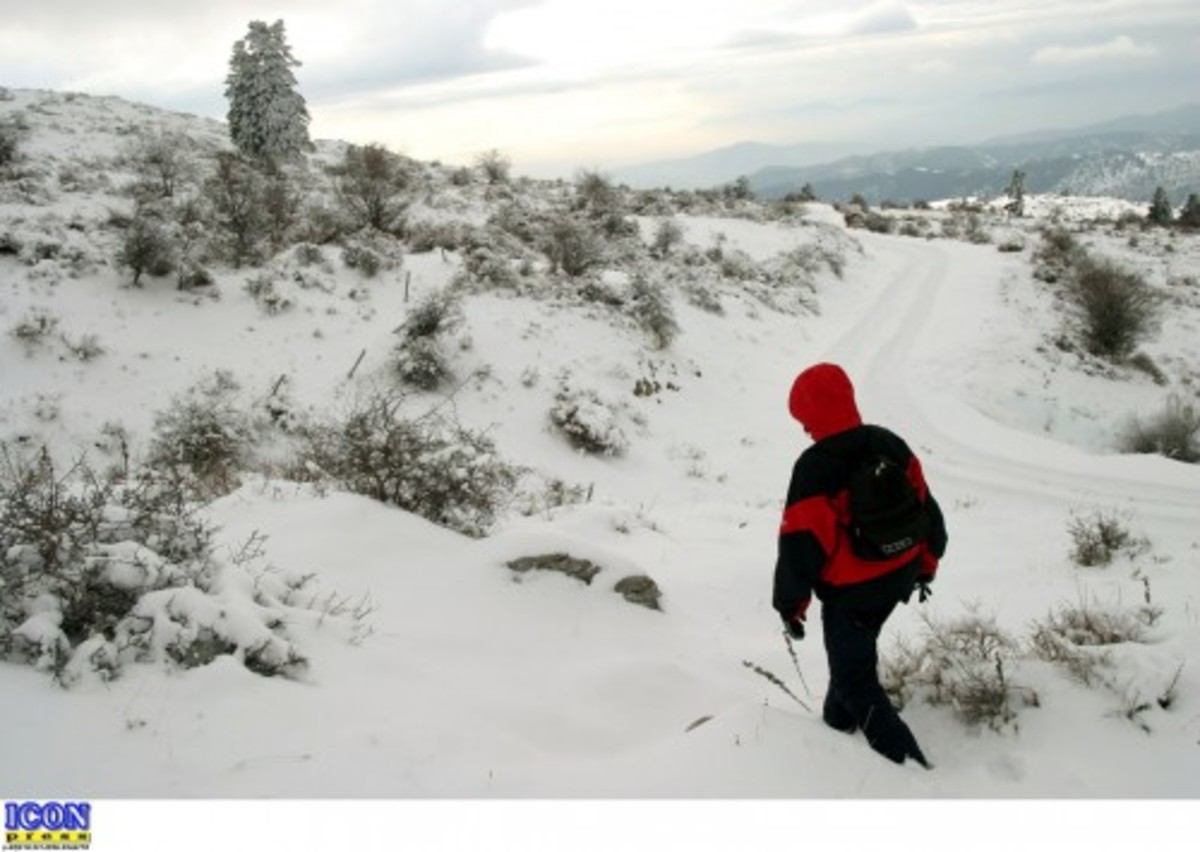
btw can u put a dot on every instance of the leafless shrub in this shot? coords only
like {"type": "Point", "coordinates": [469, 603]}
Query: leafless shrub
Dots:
{"type": "Point", "coordinates": [371, 185]}
{"type": "Point", "coordinates": [1174, 432]}
{"type": "Point", "coordinates": [1098, 536]}
{"type": "Point", "coordinates": [667, 234]}
{"type": "Point", "coordinates": [965, 664]}
{"type": "Point", "coordinates": [34, 329]}
{"type": "Point", "coordinates": [1117, 307]}
{"type": "Point", "coordinates": [573, 246]}
{"type": "Point", "coordinates": [650, 305]}
{"type": "Point", "coordinates": [494, 166]}
{"type": "Point", "coordinates": [427, 465]}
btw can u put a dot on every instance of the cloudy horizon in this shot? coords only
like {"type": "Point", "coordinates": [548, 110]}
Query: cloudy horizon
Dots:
{"type": "Point", "coordinates": [559, 85]}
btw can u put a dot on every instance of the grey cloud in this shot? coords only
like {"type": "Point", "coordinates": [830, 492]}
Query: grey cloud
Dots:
{"type": "Point", "coordinates": [883, 17]}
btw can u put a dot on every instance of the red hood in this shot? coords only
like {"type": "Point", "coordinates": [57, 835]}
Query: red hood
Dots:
{"type": "Point", "coordinates": [822, 399]}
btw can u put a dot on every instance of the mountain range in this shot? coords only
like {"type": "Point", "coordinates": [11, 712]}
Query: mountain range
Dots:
{"type": "Point", "coordinates": [1123, 158]}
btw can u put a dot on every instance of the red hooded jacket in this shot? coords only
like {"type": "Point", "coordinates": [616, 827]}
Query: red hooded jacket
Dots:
{"type": "Point", "coordinates": [814, 543]}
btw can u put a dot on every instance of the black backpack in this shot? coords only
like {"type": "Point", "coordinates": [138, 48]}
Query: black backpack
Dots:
{"type": "Point", "coordinates": [887, 517]}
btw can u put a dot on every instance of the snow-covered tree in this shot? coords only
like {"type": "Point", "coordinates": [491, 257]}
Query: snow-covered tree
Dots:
{"type": "Point", "coordinates": [268, 118]}
{"type": "Point", "coordinates": [1016, 192]}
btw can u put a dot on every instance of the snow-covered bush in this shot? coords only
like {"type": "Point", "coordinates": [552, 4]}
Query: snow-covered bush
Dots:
{"type": "Point", "coordinates": [965, 664]}
{"type": "Point", "coordinates": [360, 257]}
{"type": "Point", "coordinates": [235, 195]}
{"type": "Point", "coordinates": [485, 269]}
{"type": "Point", "coordinates": [10, 138]}
{"type": "Point", "coordinates": [650, 305]}
{"type": "Point", "coordinates": [1076, 638]}
{"type": "Point", "coordinates": [1097, 646]}
{"type": "Point", "coordinates": [161, 164]}
{"type": "Point", "coordinates": [34, 329]}
{"type": "Point", "coordinates": [590, 422]}
{"type": "Point", "coordinates": [101, 572]}
{"type": "Point", "coordinates": [204, 435]}
{"type": "Point", "coordinates": [420, 356]}
{"type": "Point", "coordinates": [572, 245]}
{"type": "Point", "coordinates": [264, 289]}
{"type": "Point", "coordinates": [1173, 432]}
{"type": "Point", "coordinates": [1100, 535]}
{"type": "Point", "coordinates": [426, 465]}
{"type": "Point", "coordinates": [667, 234]}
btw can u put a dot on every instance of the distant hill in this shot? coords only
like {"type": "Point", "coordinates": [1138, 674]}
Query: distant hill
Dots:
{"type": "Point", "coordinates": [1124, 158]}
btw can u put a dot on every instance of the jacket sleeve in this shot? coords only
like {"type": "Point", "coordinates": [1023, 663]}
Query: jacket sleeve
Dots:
{"type": "Point", "coordinates": [935, 544]}
{"type": "Point", "coordinates": [806, 536]}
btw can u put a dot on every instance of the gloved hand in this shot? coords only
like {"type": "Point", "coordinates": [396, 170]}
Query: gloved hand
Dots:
{"type": "Point", "coordinates": [794, 628]}
{"type": "Point", "coordinates": [924, 593]}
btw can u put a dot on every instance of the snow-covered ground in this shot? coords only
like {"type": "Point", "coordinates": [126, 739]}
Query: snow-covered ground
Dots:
{"type": "Point", "coordinates": [468, 682]}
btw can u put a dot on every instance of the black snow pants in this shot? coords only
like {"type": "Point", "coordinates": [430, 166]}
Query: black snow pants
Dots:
{"type": "Point", "coordinates": [856, 700]}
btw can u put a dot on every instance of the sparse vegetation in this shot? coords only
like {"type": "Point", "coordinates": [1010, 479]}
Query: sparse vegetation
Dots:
{"type": "Point", "coordinates": [1174, 432]}
{"type": "Point", "coordinates": [371, 185]}
{"type": "Point", "coordinates": [967, 664]}
{"type": "Point", "coordinates": [1098, 536]}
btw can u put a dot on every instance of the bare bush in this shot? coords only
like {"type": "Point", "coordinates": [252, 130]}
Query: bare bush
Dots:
{"type": "Point", "coordinates": [494, 166]}
{"type": "Point", "coordinates": [1098, 536]}
{"type": "Point", "coordinates": [573, 246]}
{"type": "Point", "coordinates": [1117, 307]}
{"type": "Point", "coordinates": [427, 465]}
{"type": "Point", "coordinates": [1056, 253]}
{"type": "Point", "coordinates": [147, 247]}
{"type": "Point", "coordinates": [1174, 432]}
{"type": "Point", "coordinates": [34, 329]}
{"type": "Point", "coordinates": [10, 140]}
{"type": "Point", "coordinates": [667, 234]}
{"type": "Point", "coordinates": [965, 664]}
{"type": "Point", "coordinates": [650, 305]}
{"type": "Point", "coordinates": [161, 164]}
{"type": "Point", "coordinates": [371, 185]}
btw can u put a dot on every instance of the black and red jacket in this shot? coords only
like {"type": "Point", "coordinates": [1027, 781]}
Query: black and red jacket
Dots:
{"type": "Point", "coordinates": [814, 546]}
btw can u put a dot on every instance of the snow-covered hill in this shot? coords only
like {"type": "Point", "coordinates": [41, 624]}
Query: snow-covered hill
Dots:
{"type": "Point", "coordinates": [435, 670]}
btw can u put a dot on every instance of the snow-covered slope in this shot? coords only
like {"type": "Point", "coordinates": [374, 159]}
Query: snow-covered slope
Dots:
{"type": "Point", "coordinates": [461, 679]}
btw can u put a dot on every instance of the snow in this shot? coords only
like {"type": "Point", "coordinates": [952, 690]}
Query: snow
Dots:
{"type": "Point", "coordinates": [464, 681]}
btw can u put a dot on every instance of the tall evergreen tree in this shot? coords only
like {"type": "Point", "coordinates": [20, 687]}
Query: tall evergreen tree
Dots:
{"type": "Point", "coordinates": [1160, 208]}
{"type": "Point", "coordinates": [1189, 215]}
{"type": "Point", "coordinates": [268, 118]}
{"type": "Point", "coordinates": [1016, 192]}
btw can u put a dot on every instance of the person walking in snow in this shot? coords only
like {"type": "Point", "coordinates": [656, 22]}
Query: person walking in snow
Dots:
{"type": "Point", "coordinates": [822, 551]}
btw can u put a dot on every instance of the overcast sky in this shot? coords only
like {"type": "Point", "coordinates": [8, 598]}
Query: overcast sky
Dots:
{"type": "Point", "coordinates": [559, 85]}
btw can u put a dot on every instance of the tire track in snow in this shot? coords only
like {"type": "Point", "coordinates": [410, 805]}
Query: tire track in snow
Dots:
{"type": "Point", "coordinates": [898, 384]}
